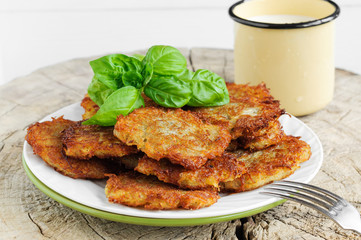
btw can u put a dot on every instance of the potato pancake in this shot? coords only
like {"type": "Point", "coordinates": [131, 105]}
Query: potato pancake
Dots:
{"type": "Point", "coordinates": [174, 134]}
{"type": "Point", "coordinates": [251, 112]}
{"type": "Point", "coordinates": [221, 169]}
{"type": "Point", "coordinates": [45, 139]}
{"type": "Point", "coordinates": [87, 141]}
{"type": "Point", "coordinates": [251, 116]}
{"type": "Point", "coordinates": [272, 164]}
{"type": "Point", "coordinates": [137, 190]}
{"type": "Point", "coordinates": [233, 171]}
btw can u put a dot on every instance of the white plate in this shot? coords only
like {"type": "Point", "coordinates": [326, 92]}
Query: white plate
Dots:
{"type": "Point", "coordinates": [91, 193]}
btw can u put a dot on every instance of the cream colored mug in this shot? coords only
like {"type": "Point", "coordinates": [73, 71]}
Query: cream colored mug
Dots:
{"type": "Point", "coordinates": [289, 45]}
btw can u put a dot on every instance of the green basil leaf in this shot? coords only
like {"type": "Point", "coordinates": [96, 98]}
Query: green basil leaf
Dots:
{"type": "Point", "coordinates": [122, 101]}
{"type": "Point", "coordinates": [208, 89]}
{"type": "Point", "coordinates": [140, 57]}
{"type": "Point", "coordinates": [110, 69]}
{"type": "Point", "coordinates": [166, 60]}
{"type": "Point", "coordinates": [168, 91]}
{"type": "Point", "coordinates": [186, 74]}
{"type": "Point", "coordinates": [132, 78]}
{"type": "Point", "coordinates": [147, 73]}
{"type": "Point", "coordinates": [98, 91]}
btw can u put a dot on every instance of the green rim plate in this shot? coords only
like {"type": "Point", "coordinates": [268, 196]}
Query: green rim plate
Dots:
{"type": "Point", "coordinates": [139, 220]}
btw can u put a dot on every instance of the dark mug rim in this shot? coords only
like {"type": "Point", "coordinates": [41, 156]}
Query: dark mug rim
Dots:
{"type": "Point", "coordinates": [306, 24]}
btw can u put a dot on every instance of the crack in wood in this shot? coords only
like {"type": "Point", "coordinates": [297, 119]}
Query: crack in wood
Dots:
{"type": "Point", "coordinates": [191, 60]}
{"type": "Point", "coordinates": [73, 71]}
{"type": "Point", "coordinates": [293, 225]}
{"type": "Point", "coordinates": [329, 175]}
{"type": "Point", "coordinates": [343, 116]}
{"type": "Point", "coordinates": [46, 75]}
{"type": "Point", "coordinates": [155, 230]}
{"type": "Point", "coordinates": [337, 229]}
{"type": "Point", "coordinates": [11, 109]}
{"type": "Point", "coordinates": [224, 67]}
{"type": "Point", "coordinates": [354, 167]}
{"type": "Point", "coordinates": [60, 83]}
{"type": "Point", "coordinates": [87, 222]}
{"type": "Point", "coordinates": [213, 232]}
{"type": "Point", "coordinates": [239, 231]}
{"type": "Point", "coordinates": [67, 87]}
{"type": "Point", "coordinates": [37, 225]}
{"type": "Point", "coordinates": [9, 135]}
{"type": "Point", "coordinates": [7, 99]}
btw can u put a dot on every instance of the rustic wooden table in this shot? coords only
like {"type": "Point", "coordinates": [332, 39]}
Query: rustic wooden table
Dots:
{"type": "Point", "coordinates": [27, 213]}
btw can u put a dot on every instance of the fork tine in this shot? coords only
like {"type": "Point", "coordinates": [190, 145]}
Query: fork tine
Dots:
{"type": "Point", "coordinates": [285, 196]}
{"type": "Point", "coordinates": [326, 198]}
{"type": "Point", "coordinates": [301, 196]}
{"type": "Point", "coordinates": [312, 187]}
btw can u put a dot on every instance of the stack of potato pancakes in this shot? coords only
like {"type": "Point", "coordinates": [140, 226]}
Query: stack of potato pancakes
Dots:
{"type": "Point", "coordinates": [164, 158]}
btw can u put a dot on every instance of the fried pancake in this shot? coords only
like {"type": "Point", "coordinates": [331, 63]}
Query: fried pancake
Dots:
{"type": "Point", "coordinates": [251, 111]}
{"type": "Point", "coordinates": [174, 134]}
{"type": "Point", "coordinates": [221, 169]}
{"type": "Point", "coordinates": [251, 116]}
{"type": "Point", "coordinates": [89, 106]}
{"type": "Point", "coordinates": [234, 171]}
{"type": "Point", "coordinates": [274, 163]}
{"type": "Point", "coordinates": [263, 138]}
{"type": "Point", "coordinates": [87, 141]}
{"type": "Point", "coordinates": [137, 190]}
{"type": "Point", "coordinates": [258, 93]}
{"type": "Point", "coordinates": [45, 138]}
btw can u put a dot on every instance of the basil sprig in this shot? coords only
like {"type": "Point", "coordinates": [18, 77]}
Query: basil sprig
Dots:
{"type": "Point", "coordinates": [162, 74]}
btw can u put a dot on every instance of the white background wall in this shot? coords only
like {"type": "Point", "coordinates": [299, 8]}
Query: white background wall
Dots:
{"type": "Point", "coordinates": [37, 33]}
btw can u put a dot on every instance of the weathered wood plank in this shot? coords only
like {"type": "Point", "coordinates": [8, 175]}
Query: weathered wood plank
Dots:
{"type": "Point", "coordinates": [27, 213]}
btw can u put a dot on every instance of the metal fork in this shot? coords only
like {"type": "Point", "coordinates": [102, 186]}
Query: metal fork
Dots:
{"type": "Point", "coordinates": [326, 202]}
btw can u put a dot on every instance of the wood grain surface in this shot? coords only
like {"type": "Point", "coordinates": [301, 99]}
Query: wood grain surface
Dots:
{"type": "Point", "coordinates": [27, 213]}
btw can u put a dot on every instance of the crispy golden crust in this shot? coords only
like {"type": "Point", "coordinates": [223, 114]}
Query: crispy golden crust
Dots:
{"type": "Point", "coordinates": [87, 141]}
{"type": "Point", "coordinates": [229, 171]}
{"type": "Point", "coordinates": [220, 169]}
{"type": "Point", "coordinates": [263, 138]}
{"type": "Point", "coordinates": [137, 190]}
{"type": "Point", "coordinates": [45, 138]}
{"type": "Point", "coordinates": [89, 106]}
{"type": "Point", "coordinates": [258, 93]}
{"type": "Point", "coordinates": [271, 164]}
{"type": "Point", "coordinates": [250, 111]}
{"type": "Point", "coordinates": [174, 134]}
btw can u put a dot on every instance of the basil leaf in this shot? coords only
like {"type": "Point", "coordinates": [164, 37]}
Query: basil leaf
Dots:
{"type": "Point", "coordinates": [166, 60]}
{"type": "Point", "coordinates": [168, 91]}
{"type": "Point", "coordinates": [147, 73]}
{"type": "Point", "coordinates": [208, 89]}
{"type": "Point", "coordinates": [123, 101]}
{"type": "Point", "coordinates": [98, 91]}
{"type": "Point", "coordinates": [132, 78]}
{"type": "Point", "coordinates": [110, 69]}
{"type": "Point", "coordinates": [140, 57]}
{"type": "Point", "coordinates": [186, 74]}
